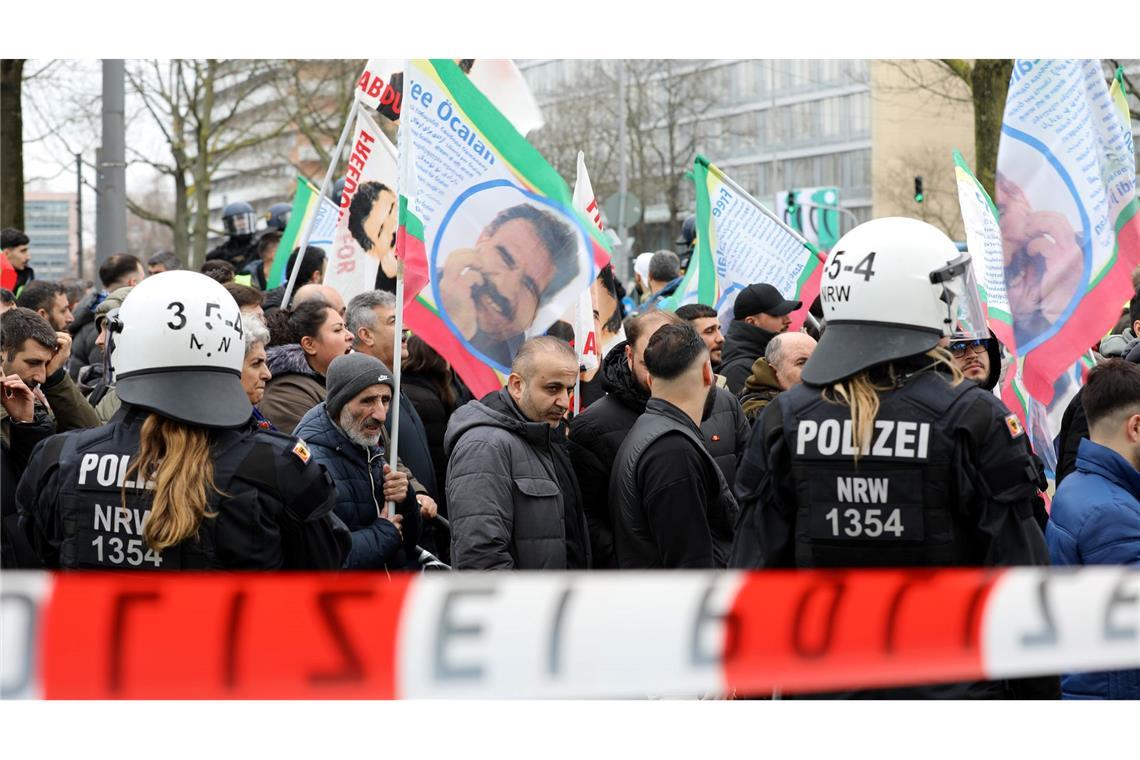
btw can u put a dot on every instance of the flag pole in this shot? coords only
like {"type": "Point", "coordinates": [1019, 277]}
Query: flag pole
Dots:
{"type": "Point", "coordinates": [307, 231]}
{"type": "Point", "coordinates": [397, 360]}
{"type": "Point", "coordinates": [578, 389]}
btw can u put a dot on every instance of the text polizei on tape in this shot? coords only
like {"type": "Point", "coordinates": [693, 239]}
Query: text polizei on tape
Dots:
{"type": "Point", "coordinates": [555, 635]}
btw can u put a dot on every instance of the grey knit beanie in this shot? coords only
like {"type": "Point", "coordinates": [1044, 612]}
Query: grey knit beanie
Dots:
{"type": "Point", "coordinates": [348, 375]}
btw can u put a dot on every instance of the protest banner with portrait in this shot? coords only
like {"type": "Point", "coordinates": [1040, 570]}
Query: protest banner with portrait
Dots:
{"type": "Point", "coordinates": [363, 255]}
{"type": "Point", "coordinates": [1066, 194]}
{"type": "Point", "coordinates": [487, 223]}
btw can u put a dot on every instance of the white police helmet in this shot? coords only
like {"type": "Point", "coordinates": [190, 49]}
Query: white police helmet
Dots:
{"type": "Point", "coordinates": [892, 288]}
{"type": "Point", "coordinates": [179, 350]}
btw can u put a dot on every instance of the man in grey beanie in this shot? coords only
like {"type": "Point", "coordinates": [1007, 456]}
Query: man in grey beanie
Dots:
{"type": "Point", "coordinates": [345, 433]}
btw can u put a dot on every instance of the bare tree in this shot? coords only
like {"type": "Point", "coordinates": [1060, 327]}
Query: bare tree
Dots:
{"type": "Point", "coordinates": [314, 96]}
{"type": "Point", "coordinates": [145, 237]}
{"type": "Point", "coordinates": [583, 117]}
{"type": "Point", "coordinates": [11, 143]}
{"type": "Point", "coordinates": [940, 203]}
{"type": "Point", "coordinates": [209, 113]}
{"type": "Point", "coordinates": [988, 80]}
{"type": "Point", "coordinates": [667, 99]}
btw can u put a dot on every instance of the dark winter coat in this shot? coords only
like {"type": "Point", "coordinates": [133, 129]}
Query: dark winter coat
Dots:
{"type": "Point", "coordinates": [743, 345]}
{"type": "Point", "coordinates": [16, 444]}
{"type": "Point", "coordinates": [506, 504]}
{"type": "Point", "coordinates": [434, 414]}
{"type": "Point", "coordinates": [672, 508]}
{"type": "Point", "coordinates": [358, 474]}
{"type": "Point", "coordinates": [595, 437]}
{"type": "Point", "coordinates": [725, 431]}
{"type": "Point", "coordinates": [84, 352]}
{"type": "Point", "coordinates": [598, 432]}
{"type": "Point", "coordinates": [414, 450]}
{"type": "Point", "coordinates": [295, 388]}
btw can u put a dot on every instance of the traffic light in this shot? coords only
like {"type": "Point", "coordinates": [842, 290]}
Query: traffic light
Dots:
{"type": "Point", "coordinates": [791, 204]}
{"type": "Point", "coordinates": [918, 194]}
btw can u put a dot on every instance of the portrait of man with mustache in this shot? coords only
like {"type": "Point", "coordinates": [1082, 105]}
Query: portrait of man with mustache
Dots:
{"type": "Point", "coordinates": [492, 292]}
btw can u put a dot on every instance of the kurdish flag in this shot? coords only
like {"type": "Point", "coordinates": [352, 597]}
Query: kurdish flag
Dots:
{"type": "Point", "coordinates": [304, 205]}
{"type": "Point", "coordinates": [984, 242]}
{"type": "Point", "coordinates": [1066, 192]}
{"type": "Point", "coordinates": [486, 223]}
{"type": "Point", "coordinates": [740, 242]}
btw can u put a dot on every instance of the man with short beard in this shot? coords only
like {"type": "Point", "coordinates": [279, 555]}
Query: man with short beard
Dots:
{"type": "Point", "coordinates": [513, 497]}
{"type": "Point", "coordinates": [346, 434]}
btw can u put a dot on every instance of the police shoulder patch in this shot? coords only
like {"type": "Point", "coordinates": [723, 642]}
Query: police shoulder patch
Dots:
{"type": "Point", "coordinates": [1014, 426]}
{"type": "Point", "coordinates": [302, 451]}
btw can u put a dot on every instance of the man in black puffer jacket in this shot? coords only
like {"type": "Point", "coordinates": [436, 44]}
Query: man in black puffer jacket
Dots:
{"type": "Point", "coordinates": [598, 432]}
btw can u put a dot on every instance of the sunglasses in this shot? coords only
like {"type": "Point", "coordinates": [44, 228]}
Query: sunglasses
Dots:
{"type": "Point", "coordinates": [959, 347]}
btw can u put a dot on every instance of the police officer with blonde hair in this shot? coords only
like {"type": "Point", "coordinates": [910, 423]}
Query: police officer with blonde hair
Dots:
{"type": "Point", "coordinates": [179, 481]}
{"type": "Point", "coordinates": [884, 456]}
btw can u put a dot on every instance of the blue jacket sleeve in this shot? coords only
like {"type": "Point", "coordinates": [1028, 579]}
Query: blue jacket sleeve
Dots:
{"type": "Point", "coordinates": [373, 545]}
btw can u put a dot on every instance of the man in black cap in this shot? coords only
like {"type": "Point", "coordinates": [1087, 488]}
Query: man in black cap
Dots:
{"type": "Point", "coordinates": [759, 314]}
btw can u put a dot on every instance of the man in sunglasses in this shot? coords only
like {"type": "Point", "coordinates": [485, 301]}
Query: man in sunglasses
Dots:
{"type": "Point", "coordinates": [978, 358]}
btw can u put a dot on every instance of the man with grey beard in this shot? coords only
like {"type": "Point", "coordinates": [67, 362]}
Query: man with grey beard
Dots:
{"type": "Point", "coordinates": [346, 434]}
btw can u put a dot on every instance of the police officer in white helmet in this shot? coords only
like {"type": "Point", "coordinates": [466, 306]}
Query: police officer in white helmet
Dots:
{"type": "Point", "coordinates": [177, 480]}
{"type": "Point", "coordinates": [885, 456]}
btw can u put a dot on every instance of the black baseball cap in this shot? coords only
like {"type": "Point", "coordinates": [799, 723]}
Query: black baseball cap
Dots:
{"type": "Point", "coordinates": [762, 298]}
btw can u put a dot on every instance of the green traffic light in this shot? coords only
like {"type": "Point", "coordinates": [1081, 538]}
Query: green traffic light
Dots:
{"type": "Point", "coordinates": [918, 198]}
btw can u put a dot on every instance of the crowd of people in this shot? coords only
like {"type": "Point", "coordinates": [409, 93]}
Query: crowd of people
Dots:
{"type": "Point", "coordinates": [170, 419]}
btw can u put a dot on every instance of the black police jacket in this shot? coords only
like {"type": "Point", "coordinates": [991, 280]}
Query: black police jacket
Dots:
{"type": "Point", "coordinates": [946, 479]}
{"type": "Point", "coordinates": [239, 250]}
{"type": "Point", "coordinates": [273, 510]}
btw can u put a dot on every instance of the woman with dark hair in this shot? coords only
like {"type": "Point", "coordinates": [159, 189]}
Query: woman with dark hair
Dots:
{"type": "Point", "coordinates": [304, 343]}
{"type": "Point", "coordinates": [426, 380]}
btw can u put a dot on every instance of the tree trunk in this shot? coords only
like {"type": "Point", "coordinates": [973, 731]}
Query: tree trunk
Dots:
{"type": "Point", "coordinates": [11, 144]}
{"type": "Point", "coordinates": [201, 220]}
{"type": "Point", "coordinates": [181, 221]}
{"type": "Point", "coordinates": [989, 85]}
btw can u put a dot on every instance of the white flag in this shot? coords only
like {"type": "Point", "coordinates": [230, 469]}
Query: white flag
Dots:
{"type": "Point", "coordinates": [585, 328]}
{"type": "Point", "coordinates": [503, 84]}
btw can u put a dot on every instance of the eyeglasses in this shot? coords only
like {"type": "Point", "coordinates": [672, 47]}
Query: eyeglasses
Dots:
{"type": "Point", "coordinates": [959, 347]}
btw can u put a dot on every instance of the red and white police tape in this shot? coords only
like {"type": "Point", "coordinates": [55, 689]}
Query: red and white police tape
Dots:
{"type": "Point", "coordinates": [521, 635]}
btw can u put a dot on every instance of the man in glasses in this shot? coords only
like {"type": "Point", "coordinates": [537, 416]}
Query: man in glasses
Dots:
{"type": "Point", "coordinates": [978, 358]}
